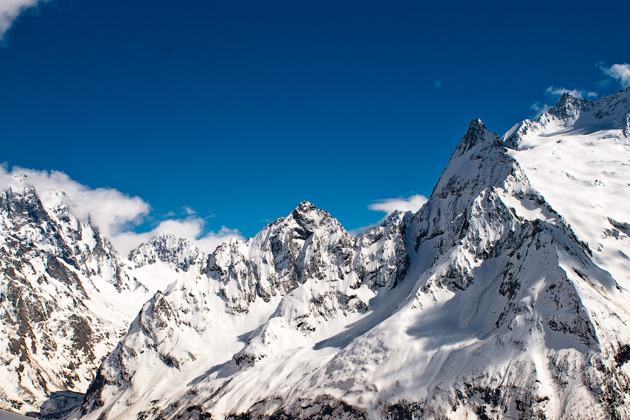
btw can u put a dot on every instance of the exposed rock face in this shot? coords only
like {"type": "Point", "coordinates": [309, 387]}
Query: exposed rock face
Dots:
{"type": "Point", "coordinates": [382, 259]}
{"type": "Point", "coordinates": [306, 244]}
{"type": "Point", "coordinates": [178, 252]}
{"type": "Point", "coordinates": [54, 273]}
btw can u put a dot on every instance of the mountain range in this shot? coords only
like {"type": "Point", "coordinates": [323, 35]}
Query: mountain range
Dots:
{"type": "Point", "coordinates": [506, 295]}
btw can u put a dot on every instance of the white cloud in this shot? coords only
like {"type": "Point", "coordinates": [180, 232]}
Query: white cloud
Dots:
{"type": "Point", "coordinates": [361, 230]}
{"type": "Point", "coordinates": [581, 94]}
{"type": "Point", "coordinates": [191, 228]}
{"type": "Point", "coordinates": [539, 109]}
{"type": "Point", "coordinates": [211, 240]}
{"type": "Point", "coordinates": [114, 213]}
{"type": "Point", "coordinates": [189, 211]}
{"type": "Point", "coordinates": [390, 205]}
{"type": "Point", "coordinates": [10, 10]}
{"type": "Point", "coordinates": [620, 72]}
{"type": "Point", "coordinates": [111, 210]}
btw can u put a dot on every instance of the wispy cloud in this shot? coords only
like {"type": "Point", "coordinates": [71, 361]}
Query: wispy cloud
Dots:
{"type": "Point", "coordinates": [619, 72]}
{"type": "Point", "coordinates": [111, 210]}
{"type": "Point", "coordinates": [191, 228]}
{"type": "Point", "coordinates": [189, 211]}
{"type": "Point", "coordinates": [10, 10]}
{"type": "Point", "coordinates": [114, 213]}
{"type": "Point", "coordinates": [539, 109]}
{"type": "Point", "coordinates": [390, 205]}
{"type": "Point", "coordinates": [211, 240]}
{"type": "Point", "coordinates": [576, 93]}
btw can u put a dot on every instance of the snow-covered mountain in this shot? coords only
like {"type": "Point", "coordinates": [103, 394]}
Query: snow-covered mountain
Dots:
{"type": "Point", "coordinates": [302, 278]}
{"type": "Point", "coordinates": [505, 295]}
{"type": "Point", "coordinates": [178, 253]}
{"type": "Point", "coordinates": [65, 299]}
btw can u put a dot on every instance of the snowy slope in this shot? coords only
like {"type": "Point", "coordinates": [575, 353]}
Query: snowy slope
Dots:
{"type": "Point", "coordinates": [586, 145]}
{"type": "Point", "coordinates": [65, 298]}
{"type": "Point", "coordinates": [504, 296]}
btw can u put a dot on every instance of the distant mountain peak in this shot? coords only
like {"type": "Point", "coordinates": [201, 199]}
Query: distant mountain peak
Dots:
{"type": "Point", "coordinates": [573, 115]}
{"type": "Point", "coordinates": [179, 252]}
{"type": "Point", "coordinates": [568, 106]}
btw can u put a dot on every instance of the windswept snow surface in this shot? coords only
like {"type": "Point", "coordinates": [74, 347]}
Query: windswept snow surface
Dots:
{"type": "Point", "coordinates": [581, 166]}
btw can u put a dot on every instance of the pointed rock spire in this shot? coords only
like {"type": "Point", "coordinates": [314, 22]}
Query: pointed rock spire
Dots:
{"type": "Point", "coordinates": [305, 207]}
{"type": "Point", "coordinates": [477, 133]}
{"type": "Point", "coordinates": [568, 106]}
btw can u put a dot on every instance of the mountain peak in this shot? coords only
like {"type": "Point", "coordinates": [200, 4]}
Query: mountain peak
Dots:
{"type": "Point", "coordinates": [476, 123]}
{"type": "Point", "coordinates": [568, 106]}
{"type": "Point", "coordinates": [18, 185]}
{"type": "Point", "coordinates": [21, 189]}
{"type": "Point", "coordinates": [305, 207]}
{"type": "Point", "coordinates": [477, 133]}
{"type": "Point", "coordinates": [168, 248]}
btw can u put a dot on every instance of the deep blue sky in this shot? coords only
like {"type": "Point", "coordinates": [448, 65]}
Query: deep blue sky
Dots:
{"type": "Point", "coordinates": [241, 109]}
